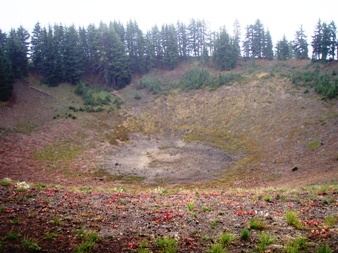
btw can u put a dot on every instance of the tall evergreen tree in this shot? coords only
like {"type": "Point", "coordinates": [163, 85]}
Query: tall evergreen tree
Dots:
{"type": "Point", "coordinates": [197, 33]}
{"type": "Point", "coordinates": [237, 36]}
{"type": "Point", "coordinates": [6, 75]}
{"type": "Point", "coordinates": [258, 39]}
{"type": "Point", "coordinates": [225, 56]}
{"type": "Point", "coordinates": [135, 45]}
{"type": "Point", "coordinates": [283, 49]}
{"type": "Point", "coordinates": [150, 56]}
{"type": "Point", "coordinates": [113, 60]}
{"type": "Point", "coordinates": [50, 75]}
{"type": "Point", "coordinates": [17, 53]}
{"type": "Point", "coordinates": [156, 42]}
{"type": "Point", "coordinates": [317, 39]}
{"type": "Point", "coordinates": [73, 60]}
{"type": "Point", "coordinates": [248, 41]}
{"type": "Point", "coordinates": [169, 45]}
{"type": "Point", "coordinates": [37, 47]}
{"type": "Point", "coordinates": [182, 41]}
{"type": "Point", "coordinates": [268, 47]}
{"type": "Point", "coordinates": [300, 45]}
{"type": "Point", "coordinates": [333, 40]}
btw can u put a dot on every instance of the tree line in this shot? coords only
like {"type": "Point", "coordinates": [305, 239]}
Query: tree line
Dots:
{"type": "Point", "coordinates": [114, 52]}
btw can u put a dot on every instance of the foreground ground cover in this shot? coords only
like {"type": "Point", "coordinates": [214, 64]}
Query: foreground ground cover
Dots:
{"type": "Point", "coordinates": [52, 218]}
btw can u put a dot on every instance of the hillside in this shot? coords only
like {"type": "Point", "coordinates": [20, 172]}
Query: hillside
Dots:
{"type": "Point", "coordinates": [252, 149]}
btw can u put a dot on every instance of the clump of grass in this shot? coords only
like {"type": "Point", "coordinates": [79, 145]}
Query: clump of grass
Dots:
{"type": "Point", "coordinates": [50, 236]}
{"type": "Point", "coordinates": [330, 220]}
{"type": "Point", "coordinates": [213, 224]}
{"type": "Point", "coordinates": [12, 236]}
{"type": "Point", "coordinates": [143, 247]}
{"type": "Point", "coordinates": [30, 244]}
{"type": "Point", "coordinates": [297, 245]}
{"type": "Point", "coordinates": [258, 224]}
{"type": "Point", "coordinates": [190, 206]}
{"type": "Point", "coordinates": [292, 219]}
{"type": "Point", "coordinates": [313, 144]}
{"type": "Point", "coordinates": [216, 248]}
{"type": "Point", "coordinates": [226, 238]}
{"type": "Point", "coordinates": [264, 240]}
{"type": "Point", "coordinates": [245, 234]}
{"type": "Point", "coordinates": [40, 186]}
{"type": "Point", "coordinates": [88, 243]}
{"type": "Point", "coordinates": [6, 181]}
{"type": "Point", "coordinates": [324, 248]}
{"type": "Point", "coordinates": [56, 221]}
{"type": "Point", "coordinates": [168, 245]}
{"type": "Point", "coordinates": [267, 198]}
{"type": "Point", "coordinates": [206, 209]}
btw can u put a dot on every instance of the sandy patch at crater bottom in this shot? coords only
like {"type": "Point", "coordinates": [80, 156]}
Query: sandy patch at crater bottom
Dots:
{"type": "Point", "coordinates": [167, 160]}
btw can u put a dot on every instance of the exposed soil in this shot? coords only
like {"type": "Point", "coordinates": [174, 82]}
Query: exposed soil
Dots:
{"type": "Point", "coordinates": [155, 161]}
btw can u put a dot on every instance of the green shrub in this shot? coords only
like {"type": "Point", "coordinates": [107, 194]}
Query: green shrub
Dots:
{"type": "Point", "coordinates": [324, 248]}
{"type": "Point", "coordinates": [195, 79]}
{"type": "Point", "coordinates": [6, 182]}
{"type": "Point", "coordinates": [92, 97]}
{"type": "Point", "coordinates": [30, 244]}
{"type": "Point", "coordinates": [88, 243]}
{"type": "Point", "coordinates": [264, 240]}
{"type": "Point", "coordinates": [258, 224]}
{"type": "Point", "coordinates": [323, 83]}
{"type": "Point", "coordinates": [151, 84]}
{"type": "Point", "coordinates": [216, 248]}
{"type": "Point", "coordinates": [297, 245]}
{"type": "Point", "coordinates": [168, 245]}
{"type": "Point", "coordinates": [292, 219]}
{"type": "Point", "coordinates": [190, 206]}
{"type": "Point", "coordinates": [227, 79]}
{"type": "Point", "coordinates": [245, 234]}
{"type": "Point", "coordinates": [226, 238]}
{"type": "Point", "coordinates": [330, 220]}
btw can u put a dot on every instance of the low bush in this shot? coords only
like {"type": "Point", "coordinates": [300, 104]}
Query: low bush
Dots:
{"type": "Point", "coordinates": [151, 84]}
{"type": "Point", "coordinates": [324, 84]}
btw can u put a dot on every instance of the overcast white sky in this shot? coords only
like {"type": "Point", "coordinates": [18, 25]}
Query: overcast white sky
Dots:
{"type": "Point", "coordinates": [280, 17]}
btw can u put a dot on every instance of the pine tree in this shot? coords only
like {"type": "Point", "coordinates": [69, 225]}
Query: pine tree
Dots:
{"type": "Point", "coordinates": [258, 39]}
{"type": "Point", "coordinates": [73, 60]}
{"type": "Point", "coordinates": [49, 71]}
{"type": "Point", "coordinates": [37, 47]}
{"type": "Point", "coordinates": [156, 43]}
{"type": "Point", "coordinates": [182, 41]}
{"type": "Point", "coordinates": [282, 49]}
{"type": "Point", "coordinates": [6, 75]}
{"type": "Point", "coordinates": [237, 36]}
{"type": "Point", "coordinates": [169, 45]}
{"type": "Point", "coordinates": [225, 56]}
{"type": "Point", "coordinates": [317, 41]}
{"type": "Point", "coordinates": [135, 45]}
{"type": "Point", "coordinates": [59, 53]}
{"type": "Point", "coordinates": [150, 57]}
{"type": "Point", "coordinates": [333, 40]}
{"type": "Point", "coordinates": [300, 45]}
{"type": "Point", "coordinates": [17, 53]}
{"type": "Point", "coordinates": [268, 47]}
{"type": "Point", "coordinates": [113, 62]}
{"type": "Point", "coordinates": [326, 41]}
{"type": "Point", "coordinates": [247, 43]}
